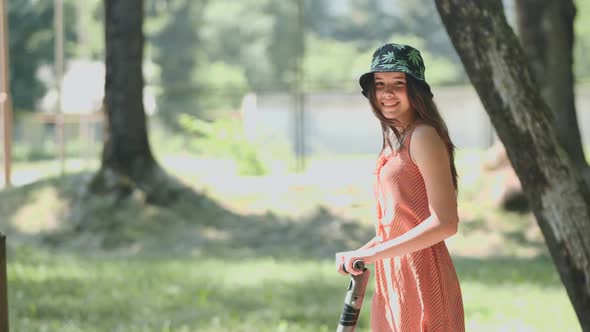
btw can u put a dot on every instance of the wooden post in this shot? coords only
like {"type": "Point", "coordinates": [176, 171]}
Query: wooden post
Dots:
{"type": "Point", "coordinates": [3, 286]}
{"type": "Point", "coordinates": [5, 104]}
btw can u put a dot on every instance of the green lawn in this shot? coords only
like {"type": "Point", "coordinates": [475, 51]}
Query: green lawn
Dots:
{"type": "Point", "coordinates": [69, 292]}
{"type": "Point", "coordinates": [252, 256]}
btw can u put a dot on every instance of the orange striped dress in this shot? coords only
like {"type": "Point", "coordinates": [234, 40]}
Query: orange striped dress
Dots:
{"type": "Point", "coordinates": [417, 292]}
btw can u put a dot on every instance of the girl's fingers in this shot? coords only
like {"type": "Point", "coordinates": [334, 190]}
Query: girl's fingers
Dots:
{"type": "Point", "coordinates": [345, 261]}
{"type": "Point", "coordinates": [339, 261]}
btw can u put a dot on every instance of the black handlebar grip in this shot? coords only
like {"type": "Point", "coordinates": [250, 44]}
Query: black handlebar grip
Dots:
{"type": "Point", "coordinates": [358, 265]}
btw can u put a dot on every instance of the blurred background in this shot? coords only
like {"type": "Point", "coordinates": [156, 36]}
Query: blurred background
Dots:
{"type": "Point", "coordinates": [254, 104]}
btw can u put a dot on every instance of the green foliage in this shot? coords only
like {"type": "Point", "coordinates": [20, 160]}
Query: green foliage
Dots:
{"type": "Point", "coordinates": [238, 33]}
{"type": "Point", "coordinates": [358, 24]}
{"type": "Point", "coordinates": [582, 41]}
{"type": "Point", "coordinates": [48, 150]}
{"type": "Point", "coordinates": [31, 45]}
{"type": "Point", "coordinates": [178, 62]}
{"type": "Point", "coordinates": [332, 65]}
{"type": "Point", "coordinates": [89, 28]}
{"type": "Point", "coordinates": [223, 138]}
{"type": "Point", "coordinates": [286, 43]}
{"type": "Point", "coordinates": [440, 70]}
{"type": "Point", "coordinates": [224, 86]}
{"type": "Point", "coordinates": [326, 65]}
{"type": "Point", "coordinates": [210, 53]}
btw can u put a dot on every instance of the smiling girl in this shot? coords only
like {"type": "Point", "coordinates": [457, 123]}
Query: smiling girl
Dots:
{"type": "Point", "coordinates": [416, 286]}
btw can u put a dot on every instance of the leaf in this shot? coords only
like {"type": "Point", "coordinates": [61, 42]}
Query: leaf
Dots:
{"type": "Point", "coordinates": [375, 62]}
{"type": "Point", "coordinates": [402, 62]}
{"type": "Point", "coordinates": [389, 57]}
{"type": "Point", "coordinates": [414, 57]}
{"type": "Point", "coordinates": [398, 67]}
{"type": "Point", "coordinates": [405, 69]}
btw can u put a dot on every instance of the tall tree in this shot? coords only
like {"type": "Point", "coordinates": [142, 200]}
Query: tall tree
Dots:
{"type": "Point", "coordinates": [560, 200]}
{"type": "Point", "coordinates": [546, 31]}
{"type": "Point", "coordinates": [127, 160]}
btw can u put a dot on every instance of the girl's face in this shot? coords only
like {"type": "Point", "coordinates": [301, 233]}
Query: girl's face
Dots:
{"type": "Point", "coordinates": [392, 96]}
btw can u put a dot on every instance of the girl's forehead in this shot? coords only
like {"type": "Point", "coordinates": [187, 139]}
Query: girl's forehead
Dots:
{"type": "Point", "coordinates": [389, 75]}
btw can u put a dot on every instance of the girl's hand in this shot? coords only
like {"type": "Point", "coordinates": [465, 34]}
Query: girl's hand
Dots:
{"type": "Point", "coordinates": [342, 259]}
{"type": "Point", "coordinates": [347, 258]}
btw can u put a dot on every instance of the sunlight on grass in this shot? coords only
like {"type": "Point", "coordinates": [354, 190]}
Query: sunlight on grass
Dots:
{"type": "Point", "coordinates": [66, 292]}
{"type": "Point", "coordinates": [38, 216]}
{"type": "Point", "coordinates": [511, 308]}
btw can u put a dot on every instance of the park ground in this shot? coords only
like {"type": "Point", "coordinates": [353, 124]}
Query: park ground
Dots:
{"type": "Point", "coordinates": [249, 253]}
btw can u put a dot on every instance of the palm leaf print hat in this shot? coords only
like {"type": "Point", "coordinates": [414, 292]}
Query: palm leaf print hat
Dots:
{"type": "Point", "coordinates": [395, 58]}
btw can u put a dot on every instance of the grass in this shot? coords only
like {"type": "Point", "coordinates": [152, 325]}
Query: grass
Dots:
{"type": "Point", "coordinates": [62, 292]}
{"type": "Point", "coordinates": [250, 254]}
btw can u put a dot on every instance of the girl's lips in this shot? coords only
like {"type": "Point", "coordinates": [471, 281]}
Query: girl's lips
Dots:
{"type": "Point", "coordinates": [390, 104]}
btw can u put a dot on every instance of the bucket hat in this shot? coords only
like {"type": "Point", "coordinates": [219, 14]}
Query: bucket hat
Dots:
{"type": "Point", "coordinates": [395, 58]}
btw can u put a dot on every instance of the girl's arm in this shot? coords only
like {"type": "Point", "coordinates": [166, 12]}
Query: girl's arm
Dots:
{"type": "Point", "coordinates": [372, 242]}
{"type": "Point", "coordinates": [430, 154]}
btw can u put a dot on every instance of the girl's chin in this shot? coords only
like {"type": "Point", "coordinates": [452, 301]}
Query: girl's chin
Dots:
{"type": "Point", "coordinates": [385, 109]}
{"type": "Point", "coordinates": [390, 114]}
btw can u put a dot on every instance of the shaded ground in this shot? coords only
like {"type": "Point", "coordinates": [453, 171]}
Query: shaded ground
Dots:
{"type": "Point", "coordinates": [315, 214]}
{"type": "Point", "coordinates": [52, 212]}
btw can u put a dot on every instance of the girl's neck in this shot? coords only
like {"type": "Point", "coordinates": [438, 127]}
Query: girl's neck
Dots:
{"type": "Point", "coordinates": [404, 124]}
{"type": "Point", "coordinates": [403, 127]}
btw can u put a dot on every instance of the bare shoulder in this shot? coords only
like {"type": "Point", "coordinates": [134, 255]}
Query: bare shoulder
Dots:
{"type": "Point", "coordinates": [425, 132]}
{"type": "Point", "coordinates": [426, 144]}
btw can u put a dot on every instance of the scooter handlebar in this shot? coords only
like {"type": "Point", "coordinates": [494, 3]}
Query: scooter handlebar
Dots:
{"type": "Point", "coordinates": [357, 265]}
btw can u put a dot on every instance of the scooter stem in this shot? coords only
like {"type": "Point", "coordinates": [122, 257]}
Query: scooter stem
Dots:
{"type": "Point", "coordinates": [354, 298]}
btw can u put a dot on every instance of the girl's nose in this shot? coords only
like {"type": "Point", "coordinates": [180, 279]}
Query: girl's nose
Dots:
{"type": "Point", "coordinates": [389, 90]}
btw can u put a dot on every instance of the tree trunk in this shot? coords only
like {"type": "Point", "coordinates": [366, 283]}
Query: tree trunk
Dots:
{"type": "Point", "coordinates": [560, 200]}
{"type": "Point", "coordinates": [546, 31]}
{"type": "Point", "coordinates": [127, 160]}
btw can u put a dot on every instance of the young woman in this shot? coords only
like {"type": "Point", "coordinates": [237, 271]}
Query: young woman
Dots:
{"type": "Point", "coordinates": [416, 286]}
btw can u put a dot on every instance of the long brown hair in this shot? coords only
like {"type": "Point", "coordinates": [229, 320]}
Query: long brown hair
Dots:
{"type": "Point", "coordinates": [426, 112]}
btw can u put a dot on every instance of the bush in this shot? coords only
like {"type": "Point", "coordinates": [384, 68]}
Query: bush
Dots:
{"type": "Point", "coordinates": [223, 138]}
